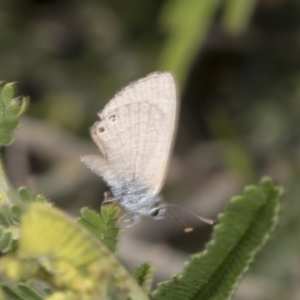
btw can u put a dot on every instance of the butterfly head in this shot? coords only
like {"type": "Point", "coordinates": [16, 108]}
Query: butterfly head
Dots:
{"type": "Point", "coordinates": [142, 204]}
{"type": "Point", "coordinates": [157, 212]}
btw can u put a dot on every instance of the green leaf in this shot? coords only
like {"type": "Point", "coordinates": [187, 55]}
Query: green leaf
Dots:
{"type": "Point", "coordinates": [6, 138]}
{"type": "Point", "coordinates": [17, 107]}
{"type": "Point", "coordinates": [243, 228]}
{"type": "Point", "coordinates": [10, 109]}
{"type": "Point", "coordinates": [90, 228]}
{"type": "Point", "coordinates": [6, 242]}
{"type": "Point", "coordinates": [93, 218]}
{"type": "Point", "coordinates": [71, 256]}
{"type": "Point", "coordinates": [110, 213]}
{"type": "Point", "coordinates": [104, 225]}
{"type": "Point", "coordinates": [7, 93]}
{"type": "Point", "coordinates": [9, 124]}
{"type": "Point", "coordinates": [25, 195]}
{"type": "Point", "coordinates": [144, 276]}
{"type": "Point", "coordinates": [4, 221]}
{"type": "Point", "coordinates": [28, 292]}
{"type": "Point", "coordinates": [11, 293]}
{"type": "Point", "coordinates": [16, 212]}
{"type": "Point", "coordinates": [40, 198]}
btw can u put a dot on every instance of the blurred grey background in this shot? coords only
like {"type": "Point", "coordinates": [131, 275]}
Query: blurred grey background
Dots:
{"type": "Point", "coordinates": [237, 63]}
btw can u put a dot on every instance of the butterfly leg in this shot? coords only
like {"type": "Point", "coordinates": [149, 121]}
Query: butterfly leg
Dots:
{"type": "Point", "coordinates": [135, 219]}
{"type": "Point", "coordinates": [108, 198]}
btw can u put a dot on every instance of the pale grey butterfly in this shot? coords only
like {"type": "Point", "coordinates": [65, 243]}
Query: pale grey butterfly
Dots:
{"type": "Point", "coordinates": [135, 136]}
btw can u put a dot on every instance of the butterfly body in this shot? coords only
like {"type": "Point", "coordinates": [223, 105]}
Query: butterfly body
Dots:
{"type": "Point", "coordinates": [137, 198]}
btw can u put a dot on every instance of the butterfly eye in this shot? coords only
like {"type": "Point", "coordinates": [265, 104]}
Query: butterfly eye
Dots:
{"type": "Point", "coordinates": [154, 212]}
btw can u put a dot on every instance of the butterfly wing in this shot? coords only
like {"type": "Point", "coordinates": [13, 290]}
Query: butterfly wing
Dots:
{"type": "Point", "coordinates": [135, 134]}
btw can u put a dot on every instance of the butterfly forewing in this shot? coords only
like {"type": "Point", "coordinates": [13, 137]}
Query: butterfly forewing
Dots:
{"type": "Point", "coordinates": [136, 130]}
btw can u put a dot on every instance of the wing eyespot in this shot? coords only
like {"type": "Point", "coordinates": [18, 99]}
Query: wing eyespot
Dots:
{"type": "Point", "coordinates": [101, 129]}
{"type": "Point", "coordinates": [112, 118]}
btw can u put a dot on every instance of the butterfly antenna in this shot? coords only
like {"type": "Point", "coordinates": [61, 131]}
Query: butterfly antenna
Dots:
{"type": "Point", "coordinates": [183, 226]}
{"type": "Point", "coordinates": [205, 220]}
